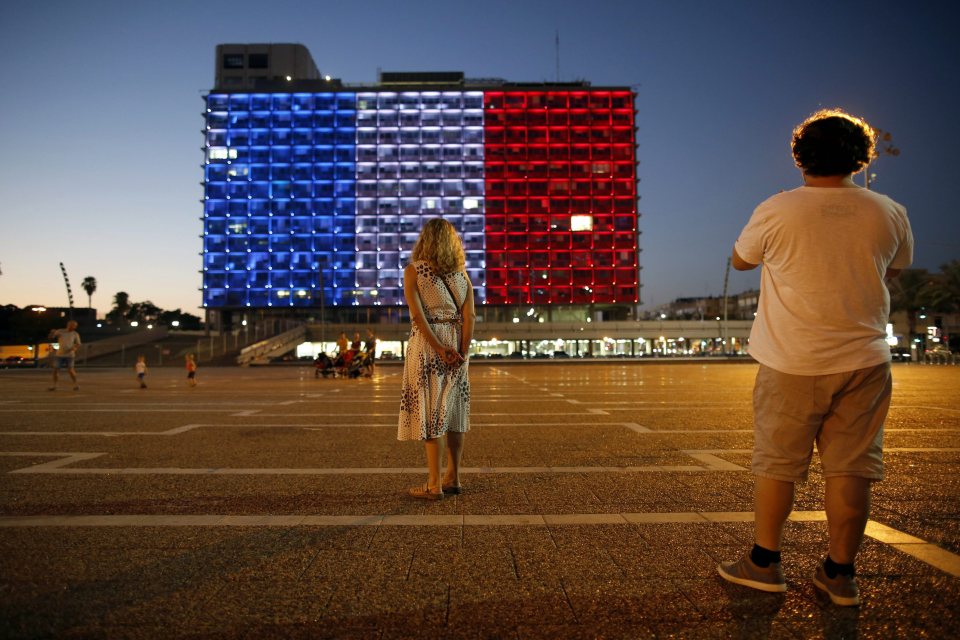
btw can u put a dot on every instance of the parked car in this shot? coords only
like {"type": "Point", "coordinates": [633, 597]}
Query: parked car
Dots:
{"type": "Point", "coordinates": [938, 348]}
{"type": "Point", "coordinates": [900, 354]}
{"type": "Point", "coordinates": [11, 362]}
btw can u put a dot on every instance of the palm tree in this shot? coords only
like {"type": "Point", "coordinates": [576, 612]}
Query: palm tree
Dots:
{"type": "Point", "coordinates": [121, 304]}
{"type": "Point", "coordinates": [89, 285]}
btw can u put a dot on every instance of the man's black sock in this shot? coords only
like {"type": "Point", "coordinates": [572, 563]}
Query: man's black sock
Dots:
{"type": "Point", "coordinates": [833, 569]}
{"type": "Point", "coordinates": [763, 557]}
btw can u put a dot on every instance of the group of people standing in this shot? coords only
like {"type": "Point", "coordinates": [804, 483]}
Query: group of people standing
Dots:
{"type": "Point", "coordinates": [353, 358]}
{"type": "Point", "coordinates": [824, 381]}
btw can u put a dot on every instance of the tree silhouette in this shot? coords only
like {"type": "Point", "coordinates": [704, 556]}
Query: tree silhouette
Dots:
{"type": "Point", "coordinates": [121, 305]}
{"type": "Point", "coordinates": [884, 146]}
{"type": "Point", "coordinates": [89, 285]}
{"type": "Point", "coordinates": [144, 311]}
{"type": "Point", "coordinates": [943, 294]}
{"type": "Point", "coordinates": [911, 292]}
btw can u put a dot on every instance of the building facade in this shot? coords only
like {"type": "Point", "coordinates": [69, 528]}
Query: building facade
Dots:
{"type": "Point", "coordinates": [315, 190]}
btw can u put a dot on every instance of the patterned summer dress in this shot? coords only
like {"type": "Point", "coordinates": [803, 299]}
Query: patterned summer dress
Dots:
{"type": "Point", "coordinates": [435, 398]}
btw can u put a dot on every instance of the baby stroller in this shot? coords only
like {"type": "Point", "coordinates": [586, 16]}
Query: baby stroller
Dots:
{"type": "Point", "coordinates": [323, 366]}
{"type": "Point", "coordinates": [343, 362]}
{"type": "Point", "coordinates": [359, 365]}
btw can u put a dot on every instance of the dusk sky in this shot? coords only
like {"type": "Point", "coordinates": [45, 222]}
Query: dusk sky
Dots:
{"type": "Point", "coordinates": [100, 116]}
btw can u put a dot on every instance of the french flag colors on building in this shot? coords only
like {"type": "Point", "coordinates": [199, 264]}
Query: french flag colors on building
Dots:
{"type": "Point", "coordinates": [318, 198]}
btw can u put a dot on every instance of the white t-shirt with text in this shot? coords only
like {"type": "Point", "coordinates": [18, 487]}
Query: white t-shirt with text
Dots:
{"type": "Point", "coordinates": [824, 252]}
{"type": "Point", "coordinates": [67, 343]}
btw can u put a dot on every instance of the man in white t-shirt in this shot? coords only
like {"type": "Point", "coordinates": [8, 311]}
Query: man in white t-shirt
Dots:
{"type": "Point", "coordinates": [68, 343]}
{"type": "Point", "coordinates": [819, 336]}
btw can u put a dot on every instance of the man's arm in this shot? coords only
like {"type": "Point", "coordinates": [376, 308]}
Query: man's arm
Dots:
{"type": "Point", "coordinates": [739, 263]}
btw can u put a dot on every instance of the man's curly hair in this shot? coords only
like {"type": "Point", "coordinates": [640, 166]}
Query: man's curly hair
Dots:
{"type": "Point", "coordinates": [832, 142]}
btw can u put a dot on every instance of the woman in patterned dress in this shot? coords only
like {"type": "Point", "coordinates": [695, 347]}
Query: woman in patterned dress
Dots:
{"type": "Point", "coordinates": [435, 398]}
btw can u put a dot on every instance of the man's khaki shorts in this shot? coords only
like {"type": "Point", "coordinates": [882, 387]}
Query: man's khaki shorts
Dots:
{"type": "Point", "coordinates": [842, 413]}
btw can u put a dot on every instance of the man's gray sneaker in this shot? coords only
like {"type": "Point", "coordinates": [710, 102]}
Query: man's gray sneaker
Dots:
{"type": "Point", "coordinates": [843, 590]}
{"type": "Point", "coordinates": [746, 573]}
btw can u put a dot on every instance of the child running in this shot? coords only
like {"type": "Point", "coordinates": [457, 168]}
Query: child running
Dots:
{"type": "Point", "coordinates": [191, 370]}
{"type": "Point", "coordinates": [141, 368]}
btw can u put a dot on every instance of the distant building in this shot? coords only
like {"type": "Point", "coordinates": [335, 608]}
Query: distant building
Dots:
{"type": "Point", "coordinates": [315, 190]}
{"type": "Point", "coordinates": [747, 303]}
{"type": "Point", "coordinates": [741, 306]}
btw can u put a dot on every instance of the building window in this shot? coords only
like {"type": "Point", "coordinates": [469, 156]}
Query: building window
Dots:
{"type": "Point", "coordinates": [221, 153]}
{"type": "Point", "coordinates": [233, 61]}
{"type": "Point", "coordinates": [581, 223]}
{"type": "Point", "coordinates": [258, 60]}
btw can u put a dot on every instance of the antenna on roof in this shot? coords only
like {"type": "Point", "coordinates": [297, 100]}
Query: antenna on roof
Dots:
{"type": "Point", "coordinates": [558, 54]}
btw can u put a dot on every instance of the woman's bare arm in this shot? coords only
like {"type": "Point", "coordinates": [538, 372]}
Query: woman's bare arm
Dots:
{"type": "Point", "coordinates": [469, 317]}
{"type": "Point", "coordinates": [419, 317]}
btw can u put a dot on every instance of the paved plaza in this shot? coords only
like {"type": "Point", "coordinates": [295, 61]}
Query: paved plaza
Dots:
{"type": "Point", "coordinates": [598, 499]}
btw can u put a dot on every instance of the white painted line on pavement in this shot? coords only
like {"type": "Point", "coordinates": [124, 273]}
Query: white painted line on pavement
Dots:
{"type": "Point", "coordinates": [308, 427]}
{"type": "Point", "coordinates": [919, 406]}
{"type": "Point", "coordinates": [885, 450]}
{"type": "Point", "coordinates": [671, 403]}
{"type": "Point", "coordinates": [721, 430]}
{"type": "Point", "coordinates": [473, 414]}
{"type": "Point", "coordinates": [65, 458]}
{"type": "Point", "coordinates": [710, 464]}
{"type": "Point", "coordinates": [912, 546]}
{"type": "Point", "coordinates": [922, 550]}
{"type": "Point", "coordinates": [130, 409]}
{"type": "Point", "coordinates": [708, 458]}
{"type": "Point", "coordinates": [227, 406]}
{"type": "Point", "coordinates": [714, 462]}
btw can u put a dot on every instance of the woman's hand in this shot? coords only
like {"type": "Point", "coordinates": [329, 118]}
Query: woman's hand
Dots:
{"type": "Point", "coordinates": [451, 357]}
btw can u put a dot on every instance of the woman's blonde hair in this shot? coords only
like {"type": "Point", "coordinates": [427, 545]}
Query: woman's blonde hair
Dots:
{"type": "Point", "coordinates": [440, 246]}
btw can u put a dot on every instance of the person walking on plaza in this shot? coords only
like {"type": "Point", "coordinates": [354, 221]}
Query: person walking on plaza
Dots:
{"type": "Point", "coordinates": [141, 369]}
{"type": "Point", "coordinates": [435, 390]}
{"type": "Point", "coordinates": [191, 361]}
{"type": "Point", "coordinates": [68, 343]}
{"type": "Point", "coordinates": [819, 336]}
{"type": "Point", "coordinates": [370, 349]}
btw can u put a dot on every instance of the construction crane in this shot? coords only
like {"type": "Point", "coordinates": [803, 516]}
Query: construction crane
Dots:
{"type": "Point", "coordinates": [66, 281]}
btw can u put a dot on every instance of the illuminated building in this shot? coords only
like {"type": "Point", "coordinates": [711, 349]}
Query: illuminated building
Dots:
{"type": "Point", "coordinates": [315, 191]}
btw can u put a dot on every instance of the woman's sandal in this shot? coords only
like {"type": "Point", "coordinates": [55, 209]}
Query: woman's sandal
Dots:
{"type": "Point", "coordinates": [453, 489]}
{"type": "Point", "coordinates": [423, 492]}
